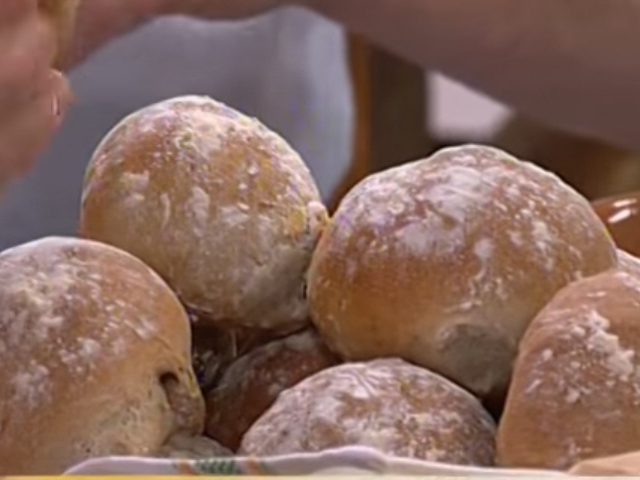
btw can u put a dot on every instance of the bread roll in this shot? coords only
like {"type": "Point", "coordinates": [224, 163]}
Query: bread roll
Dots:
{"type": "Point", "coordinates": [219, 205]}
{"type": "Point", "coordinates": [387, 404]}
{"type": "Point", "coordinates": [575, 393]}
{"type": "Point", "coordinates": [214, 349]}
{"type": "Point", "coordinates": [94, 357]}
{"type": "Point", "coordinates": [252, 383]}
{"type": "Point", "coordinates": [629, 263]}
{"type": "Point", "coordinates": [445, 261]}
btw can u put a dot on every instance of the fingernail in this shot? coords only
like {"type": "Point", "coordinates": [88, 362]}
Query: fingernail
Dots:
{"type": "Point", "coordinates": [57, 109]}
{"type": "Point", "coordinates": [63, 96]}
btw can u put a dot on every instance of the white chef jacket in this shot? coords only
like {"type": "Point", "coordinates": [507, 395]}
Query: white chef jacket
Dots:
{"type": "Point", "coordinates": [288, 68]}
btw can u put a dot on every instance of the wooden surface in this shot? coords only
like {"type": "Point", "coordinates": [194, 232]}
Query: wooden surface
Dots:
{"type": "Point", "coordinates": [594, 168]}
{"type": "Point", "coordinates": [391, 128]}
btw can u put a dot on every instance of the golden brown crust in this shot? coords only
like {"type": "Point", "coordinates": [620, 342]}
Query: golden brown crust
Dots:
{"type": "Point", "coordinates": [94, 349]}
{"type": "Point", "coordinates": [575, 393]}
{"type": "Point", "coordinates": [253, 382]}
{"type": "Point", "coordinates": [216, 203]}
{"type": "Point", "coordinates": [445, 261]}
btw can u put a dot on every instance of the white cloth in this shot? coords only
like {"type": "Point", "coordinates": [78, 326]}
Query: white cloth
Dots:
{"type": "Point", "coordinates": [287, 68]}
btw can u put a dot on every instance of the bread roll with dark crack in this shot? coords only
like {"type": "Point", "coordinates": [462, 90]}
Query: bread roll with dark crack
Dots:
{"type": "Point", "coordinates": [253, 382]}
{"type": "Point", "coordinates": [94, 355]}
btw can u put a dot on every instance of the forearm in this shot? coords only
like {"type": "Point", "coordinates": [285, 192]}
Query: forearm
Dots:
{"type": "Point", "coordinates": [99, 21]}
{"type": "Point", "coordinates": [574, 64]}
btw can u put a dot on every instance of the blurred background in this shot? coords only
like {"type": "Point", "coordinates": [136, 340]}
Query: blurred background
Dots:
{"type": "Point", "coordinates": [347, 107]}
{"type": "Point", "coordinates": [456, 111]}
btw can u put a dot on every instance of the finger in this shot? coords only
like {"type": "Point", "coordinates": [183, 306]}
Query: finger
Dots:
{"type": "Point", "coordinates": [62, 15]}
{"type": "Point", "coordinates": [27, 58]}
{"type": "Point", "coordinates": [30, 131]}
{"type": "Point", "coordinates": [12, 11]}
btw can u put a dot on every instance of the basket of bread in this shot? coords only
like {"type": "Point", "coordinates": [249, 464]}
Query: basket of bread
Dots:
{"type": "Point", "coordinates": [468, 313]}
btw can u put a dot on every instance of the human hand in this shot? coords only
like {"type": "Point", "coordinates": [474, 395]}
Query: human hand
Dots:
{"type": "Point", "coordinates": [97, 22]}
{"type": "Point", "coordinates": [33, 97]}
{"type": "Point", "coordinates": [221, 9]}
{"type": "Point", "coordinates": [62, 14]}
{"type": "Point", "coordinates": [100, 21]}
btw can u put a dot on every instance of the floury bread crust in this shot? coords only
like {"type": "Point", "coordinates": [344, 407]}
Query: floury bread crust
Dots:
{"type": "Point", "coordinates": [445, 261]}
{"type": "Point", "coordinates": [629, 263]}
{"type": "Point", "coordinates": [94, 349]}
{"type": "Point", "coordinates": [387, 404]}
{"type": "Point", "coordinates": [575, 393]}
{"type": "Point", "coordinates": [220, 206]}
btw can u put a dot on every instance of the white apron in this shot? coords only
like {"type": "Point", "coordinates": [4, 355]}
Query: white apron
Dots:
{"type": "Point", "coordinates": [287, 68]}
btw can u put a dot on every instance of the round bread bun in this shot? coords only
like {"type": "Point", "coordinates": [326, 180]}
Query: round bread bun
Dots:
{"type": "Point", "coordinates": [94, 350]}
{"type": "Point", "coordinates": [253, 382]}
{"type": "Point", "coordinates": [575, 393]}
{"type": "Point", "coordinates": [444, 262]}
{"type": "Point", "coordinates": [387, 404]}
{"type": "Point", "coordinates": [214, 349]}
{"type": "Point", "coordinates": [629, 263]}
{"type": "Point", "coordinates": [221, 207]}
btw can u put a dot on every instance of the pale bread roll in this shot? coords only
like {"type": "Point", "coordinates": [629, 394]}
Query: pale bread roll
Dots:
{"type": "Point", "coordinates": [94, 356]}
{"type": "Point", "coordinates": [253, 382]}
{"type": "Point", "coordinates": [218, 204]}
{"type": "Point", "coordinates": [575, 393]}
{"type": "Point", "coordinates": [445, 261]}
{"type": "Point", "coordinates": [388, 404]}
